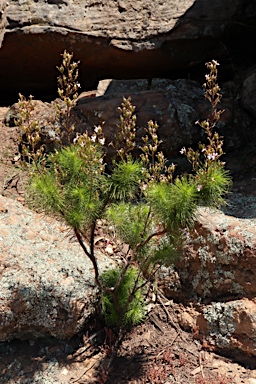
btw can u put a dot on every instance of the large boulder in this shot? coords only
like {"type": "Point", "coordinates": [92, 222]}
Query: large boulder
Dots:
{"type": "Point", "coordinates": [121, 39]}
{"type": "Point", "coordinates": [217, 273]}
{"type": "Point", "coordinates": [220, 258]}
{"type": "Point", "coordinates": [46, 284]}
{"type": "Point", "coordinates": [230, 327]}
{"type": "Point", "coordinates": [174, 104]}
{"type": "Point", "coordinates": [248, 93]}
{"type": "Point", "coordinates": [221, 261]}
{"type": "Point", "coordinates": [3, 6]}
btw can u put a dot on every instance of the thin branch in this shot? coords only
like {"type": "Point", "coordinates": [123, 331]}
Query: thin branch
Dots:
{"type": "Point", "coordinates": [142, 243]}
{"type": "Point", "coordinates": [146, 223]}
{"type": "Point", "coordinates": [87, 370]}
{"type": "Point", "coordinates": [91, 257]}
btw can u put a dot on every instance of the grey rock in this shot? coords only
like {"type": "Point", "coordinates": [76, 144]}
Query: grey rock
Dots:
{"type": "Point", "coordinates": [46, 285]}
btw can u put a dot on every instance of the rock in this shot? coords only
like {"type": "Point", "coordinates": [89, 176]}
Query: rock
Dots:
{"type": "Point", "coordinates": [251, 381]}
{"type": "Point", "coordinates": [230, 327]}
{"type": "Point", "coordinates": [173, 110]}
{"type": "Point", "coordinates": [3, 6]}
{"type": "Point", "coordinates": [220, 261]}
{"type": "Point", "coordinates": [46, 285]}
{"type": "Point", "coordinates": [218, 270]}
{"type": "Point", "coordinates": [45, 115]}
{"type": "Point", "coordinates": [117, 39]}
{"type": "Point", "coordinates": [248, 98]}
{"type": "Point", "coordinates": [187, 321]}
{"type": "Point", "coordinates": [174, 104]}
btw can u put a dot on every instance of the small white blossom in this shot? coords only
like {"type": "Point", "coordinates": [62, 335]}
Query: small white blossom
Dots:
{"type": "Point", "coordinates": [182, 150]}
{"type": "Point", "coordinates": [215, 62]}
{"type": "Point", "coordinates": [212, 156]}
{"type": "Point", "coordinates": [93, 138]}
{"type": "Point", "coordinates": [102, 141]}
{"type": "Point", "coordinates": [97, 129]}
{"type": "Point", "coordinates": [187, 233]}
{"type": "Point", "coordinates": [199, 187]}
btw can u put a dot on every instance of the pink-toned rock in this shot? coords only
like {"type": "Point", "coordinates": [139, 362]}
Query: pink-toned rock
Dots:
{"type": "Point", "coordinates": [218, 270]}
{"type": "Point", "coordinates": [46, 282]}
{"type": "Point", "coordinates": [175, 115]}
{"type": "Point", "coordinates": [220, 260]}
{"type": "Point", "coordinates": [230, 327]}
{"type": "Point", "coordinates": [174, 104]}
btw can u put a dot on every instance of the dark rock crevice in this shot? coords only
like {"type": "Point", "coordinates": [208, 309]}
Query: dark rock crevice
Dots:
{"type": "Point", "coordinates": [123, 40]}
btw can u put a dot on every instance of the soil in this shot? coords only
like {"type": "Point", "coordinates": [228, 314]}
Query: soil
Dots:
{"type": "Point", "coordinates": [157, 351]}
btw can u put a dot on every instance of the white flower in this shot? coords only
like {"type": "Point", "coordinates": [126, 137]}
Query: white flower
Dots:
{"type": "Point", "coordinates": [186, 233]}
{"type": "Point", "coordinates": [102, 141]}
{"type": "Point", "coordinates": [199, 187]}
{"type": "Point", "coordinates": [97, 129]}
{"type": "Point", "coordinates": [93, 138]}
{"type": "Point", "coordinates": [182, 150]}
{"type": "Point", "coordinates": [215, 62]}
{"type": "Point", "coordinates": [212, 156]}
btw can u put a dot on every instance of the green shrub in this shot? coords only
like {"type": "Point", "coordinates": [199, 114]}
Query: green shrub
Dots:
{"type": "Point", "coordinates": [146, 207]}
{"type": "Point", "coordinates": [127, 307]}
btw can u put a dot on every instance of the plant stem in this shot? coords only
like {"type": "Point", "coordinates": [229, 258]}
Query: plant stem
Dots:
{"type": "Point", "coordinates": [91, 257]}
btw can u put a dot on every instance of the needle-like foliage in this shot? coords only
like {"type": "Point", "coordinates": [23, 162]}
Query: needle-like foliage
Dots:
{"type": "Point", "coordinates": [173, 204]}
{"type": "Point", "coordinates": [125, 180]}
{"type": "Point", "coordinates": [144, 205]}
{"type": "Point", "coordinates": [133, 310]}
{"type": "Point", "coordinates": [130, 220]}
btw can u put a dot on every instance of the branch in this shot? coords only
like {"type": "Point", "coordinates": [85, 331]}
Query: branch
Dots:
{"type": "Point", "coordinates": [90, 255]}
{"type": "Point", "coordinates": [142, 243]}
